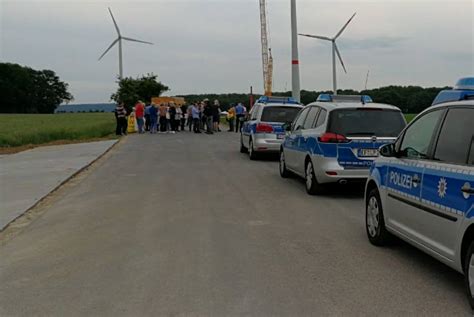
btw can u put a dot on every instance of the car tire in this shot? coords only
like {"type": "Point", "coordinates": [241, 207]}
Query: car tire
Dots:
{"type": "Point", "coordinates": [243, 149]}
{"type": "Point", "coordinates": [374, 219]}
{"type": "Point", "coordinates": [284, 172]}
{"type": "Point", "coordinates": [311, 183]}
{"type": "Point", "coordinates": [252, 154]}
{"type": "Point", "coordinates": [469, 273]}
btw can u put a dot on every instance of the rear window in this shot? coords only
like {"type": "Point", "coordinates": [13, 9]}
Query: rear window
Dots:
{"type": "Point", "coordinates": [279, 114]}
{"type": "Point", "coordinates": [366, 122]}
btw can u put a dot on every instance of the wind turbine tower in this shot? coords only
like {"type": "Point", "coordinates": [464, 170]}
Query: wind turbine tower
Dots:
{"type": "Point", "coordinates": [335, 51]}
{"type": "Point", "coordinates": [295, 63]}
{"type": "Point", "coordinates": [119, 41]}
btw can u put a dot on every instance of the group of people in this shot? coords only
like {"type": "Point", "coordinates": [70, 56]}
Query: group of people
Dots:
{"type": "Point", "coordinates": [171, 118]}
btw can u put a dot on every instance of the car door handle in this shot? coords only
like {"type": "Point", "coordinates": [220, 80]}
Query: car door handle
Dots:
{"type": "Point", "coordinates": [467, 189]}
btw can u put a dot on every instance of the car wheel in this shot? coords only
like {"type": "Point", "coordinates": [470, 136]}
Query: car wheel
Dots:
{"type": "Point", "coordinates": [252, 154]}
{"type": "Point", "coordinates": [312, 185]}
{"type": "Point", "coordinates": [374, 220]}
{"type": "Point", "coordinates": [243, 149]}
{"type": "Point", "coordinates": [469, 273]}
{"type": "Point", "coordinates": [283, 171]}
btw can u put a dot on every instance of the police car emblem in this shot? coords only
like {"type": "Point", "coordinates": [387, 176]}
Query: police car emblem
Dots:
{"type": "Point", "coordinates": [374, 138]}
{"type": "Point", "coordinates": [442, 187]}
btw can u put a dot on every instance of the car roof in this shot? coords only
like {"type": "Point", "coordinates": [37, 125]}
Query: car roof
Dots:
{"type": "Point", "coordinates": [469, 103]}
{"type": "Point", "coordinates": [275, 104]}
{"type": "Point", "coordinates": [350, 105]}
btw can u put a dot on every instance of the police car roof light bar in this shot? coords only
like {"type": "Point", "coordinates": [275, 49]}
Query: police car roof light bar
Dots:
{"type": "Point", "coordinates": [275, 99]}
{"type": "Point", "coordinates": [344, 98]}
{"type": "Point", "coordinates": [463, 90]}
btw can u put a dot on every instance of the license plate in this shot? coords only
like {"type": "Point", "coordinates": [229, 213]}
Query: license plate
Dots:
{"type": "Point", "coordinates": [369, 152]}
{"type": "Point", "coordinates": [280, 136]}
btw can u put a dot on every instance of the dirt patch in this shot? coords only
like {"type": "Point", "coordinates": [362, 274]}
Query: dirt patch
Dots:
{"type": "Point", "coordinates": [17, 149]}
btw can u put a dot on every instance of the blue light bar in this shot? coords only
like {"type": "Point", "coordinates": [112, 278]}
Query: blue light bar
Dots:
{"type": "Point", "coordinates": [275, 99]}
{"type": "Point", "coordinates": [324, 98]}
{"type": "Point", "coordinates": [463, 90]}
{"type": "Point", "coordinates": [344, 98]}
{"type": "Point", "coordinates": [465, 84]}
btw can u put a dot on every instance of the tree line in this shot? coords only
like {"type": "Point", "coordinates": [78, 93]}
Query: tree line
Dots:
{"type": "Point", "coordinates": [25, 90]}
{"type": "Point", "coordinates": [410, 99]}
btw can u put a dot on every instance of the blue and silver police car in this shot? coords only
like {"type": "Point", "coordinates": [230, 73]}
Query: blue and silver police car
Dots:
{"type": "Point", "coordinates": [421, 188]}
{"type": "Point", "coordinates": [336, 138]}
{"type": "Point", "coordinates": [263, 130]}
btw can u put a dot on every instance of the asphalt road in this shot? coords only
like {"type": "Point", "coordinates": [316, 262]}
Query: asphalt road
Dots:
{"type": "Point", "coordinates": [186, 225]}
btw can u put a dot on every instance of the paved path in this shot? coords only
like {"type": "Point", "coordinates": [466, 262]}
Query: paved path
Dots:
{"type": "Point", "coordinates": [28, 176]}
{"type": "Point", "coordinates": [185, 225]}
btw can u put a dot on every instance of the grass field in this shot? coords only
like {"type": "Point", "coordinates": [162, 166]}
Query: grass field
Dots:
{"type": "Point", "coordinates": [25, 129]}
{"type": "Point", "coordinates": [409, 116]}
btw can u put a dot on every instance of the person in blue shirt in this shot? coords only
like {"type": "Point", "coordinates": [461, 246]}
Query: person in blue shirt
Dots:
{"type": "Point", "coordinates": [153, 118]}
{"type": "Point", "coordinates": [147, 117]}
{"type": "Point", "coordinates": [195, 112]}
{"type": "Point", "coordinates": [239, 116]}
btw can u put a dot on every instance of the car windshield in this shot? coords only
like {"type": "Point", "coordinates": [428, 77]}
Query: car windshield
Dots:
{"type": "Point", "coordinates": [279, 114]}
{"type": "Point", "coordinates": [366, 122]}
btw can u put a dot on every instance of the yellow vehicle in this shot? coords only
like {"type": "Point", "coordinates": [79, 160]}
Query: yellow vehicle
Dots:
{"type": "Point", "coordinates": [179, 101]}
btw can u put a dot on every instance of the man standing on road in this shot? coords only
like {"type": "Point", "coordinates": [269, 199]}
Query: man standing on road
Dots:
{"type": "Point", "coordinates": [139, 114]}
{"type": "Point", "coordinates": [121, 116]}
{"type": "Point", "coordinates": [147, 117]}
{"type": "Point", "coordinates": [208, 115]}
{"type": "Point", "coordinates": [239, 114]}
{"type": "Point", "coordinates": [196, 119]}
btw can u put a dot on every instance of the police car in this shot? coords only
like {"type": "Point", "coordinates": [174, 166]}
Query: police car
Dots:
{"type": "Point", "coordinates": [421, 188]}
{"type": "Point", "coordinates": [336, 138]}
{"type": "Point", "coordinates": [263, 130]}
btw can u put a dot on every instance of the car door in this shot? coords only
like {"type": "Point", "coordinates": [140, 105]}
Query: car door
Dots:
{"type": "Point", "coordinates": [305, 140]}
{"type": "Point", "coordinates": [249, 124]}
{"type": "Point", "coordinates": [444, 183]}
{"type": "Point", "coordinates": [291, 141]}
{"type": "Point", "coordinates": [405, 172]}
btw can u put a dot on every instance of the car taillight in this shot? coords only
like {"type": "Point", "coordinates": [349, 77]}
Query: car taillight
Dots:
{"type": "Point", "coordinates": [330, 137]}
{"type": "Point", "coordinates": [264, 128]}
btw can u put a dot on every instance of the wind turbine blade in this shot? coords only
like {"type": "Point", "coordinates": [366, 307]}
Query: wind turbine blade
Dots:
{"type": "Point", "coordinates": [115, 23]}
{"type": "Point", "coordinates": [108, 49]}
{"type": "Point", "coordinates": [133, 40]}
{"type": "Point", "coordinates": [345, 25]}
{"type": "Point", "coordinates": [316, 37]}
{"type": "Point", "coordinates": [340, 58]}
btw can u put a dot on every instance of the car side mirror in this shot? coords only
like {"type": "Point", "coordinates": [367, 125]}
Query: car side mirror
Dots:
{"type": "Point", "coordinates": [287, 126]}
{"type": "Point", "coordinates": [387, 150]}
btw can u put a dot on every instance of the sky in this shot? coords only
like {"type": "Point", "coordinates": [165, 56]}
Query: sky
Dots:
{"type": "Point", "coordinates": [213, 46]}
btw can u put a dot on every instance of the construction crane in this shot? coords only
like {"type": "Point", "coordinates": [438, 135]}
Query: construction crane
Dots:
{"type": "Point", "coordinates": [267, 59]}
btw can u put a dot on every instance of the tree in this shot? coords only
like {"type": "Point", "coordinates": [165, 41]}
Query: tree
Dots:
{"type": "Point", "coordinates": [25, 90]}
{"type": "Point", "coordinates": [133, 89]}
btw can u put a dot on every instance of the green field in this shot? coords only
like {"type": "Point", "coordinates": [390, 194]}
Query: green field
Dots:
{"type": "Point", "coordinates": [25, 129]}
{"type": "Point", "coordinates": [409, 116]}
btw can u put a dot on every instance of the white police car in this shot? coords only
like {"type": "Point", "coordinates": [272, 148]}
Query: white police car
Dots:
{"type": "Point", "coordinates": [263, 130]}
{"type": "Point", "coordinates": [336, 138]}
{"type": "Point", "coordinates": [421, 188]}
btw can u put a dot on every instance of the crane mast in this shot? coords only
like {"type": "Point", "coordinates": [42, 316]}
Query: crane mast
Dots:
{"type": "Point", "coordinates": [267, 59]}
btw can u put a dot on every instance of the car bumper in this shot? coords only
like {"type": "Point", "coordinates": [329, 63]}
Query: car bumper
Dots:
{"type": "Point", "coordinates": [266, 143]}
{"type": "Point", "coordinates": [328, 170]}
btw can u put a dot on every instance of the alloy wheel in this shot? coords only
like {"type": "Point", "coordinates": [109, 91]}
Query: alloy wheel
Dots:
{"type": "Point", "coordinates": [373, 216]}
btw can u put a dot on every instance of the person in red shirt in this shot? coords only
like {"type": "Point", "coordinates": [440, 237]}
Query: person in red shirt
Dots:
{"type": "Point", "coordinates": [139, 114]}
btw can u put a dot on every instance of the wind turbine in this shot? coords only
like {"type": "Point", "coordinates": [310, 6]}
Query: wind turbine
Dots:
{"type": "Point", "coordinates": [335, 51]}
{"type": "Point", "coordinates": [119, 41]}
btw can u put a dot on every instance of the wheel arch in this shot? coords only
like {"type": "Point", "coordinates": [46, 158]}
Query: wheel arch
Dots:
{"type": "Point", "coordinates": [371, 184]}
{"type": "Point", "coordinates": [466, 242]}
